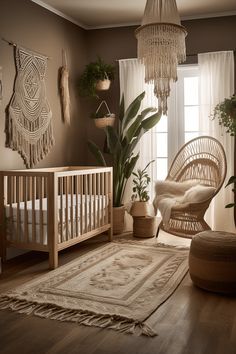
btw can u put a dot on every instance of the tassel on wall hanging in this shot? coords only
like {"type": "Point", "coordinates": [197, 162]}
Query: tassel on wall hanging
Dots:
{"type": "Point", "coordinates": [64, 89]}
{"type": "Point", "coordinates": [29, 117]}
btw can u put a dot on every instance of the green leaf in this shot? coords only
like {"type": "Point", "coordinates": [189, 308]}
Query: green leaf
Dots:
{"type": "Point", "coordinates": [231, 180]}
{"type": "Point", "coordinates": [132, 110]}
{"type": "Point", "coordinates": [231, 205]}
{"type": "Point", "coordinates": [151, 121]}
{"type": "Point", "coordinates": [94, 149]}
{"type": "Point", "coordinates": [129, 135]}
{"type": "Point", "coordinates": [122, 108]}
{"type": "Point", "coordinates": [129, 166]}
{"type": "Point", "coordinates": [112, 140]}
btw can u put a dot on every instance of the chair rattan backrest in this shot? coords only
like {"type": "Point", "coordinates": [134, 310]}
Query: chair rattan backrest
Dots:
{"type": "Point", "coordinates": [202, 159]}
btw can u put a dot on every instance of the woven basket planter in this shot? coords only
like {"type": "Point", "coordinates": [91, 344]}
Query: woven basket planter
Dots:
{"type": "Point", "coordinates": [140, 209]}
{"type": "Point", "coordinates": [103, 85]}
{"type": "Point", "coordinates": [107, 120]}
{"type": "Point", "coordinates": [118, 220]}
{"type": "Point", "coordinates": [104, 122]}
{"type": "Point", "coordinates": [144, 227]}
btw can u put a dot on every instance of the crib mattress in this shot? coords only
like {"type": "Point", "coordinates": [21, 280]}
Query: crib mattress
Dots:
{"type": "Point", "coordinates": [74, 207]}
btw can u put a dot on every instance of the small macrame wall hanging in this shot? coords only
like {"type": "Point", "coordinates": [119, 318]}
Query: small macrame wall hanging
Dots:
{"type": "Point", "coordinates": [29, 118]}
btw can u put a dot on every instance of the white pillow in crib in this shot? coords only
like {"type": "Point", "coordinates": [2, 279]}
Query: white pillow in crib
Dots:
{"type": "Point", "coordinates": [197, 194]}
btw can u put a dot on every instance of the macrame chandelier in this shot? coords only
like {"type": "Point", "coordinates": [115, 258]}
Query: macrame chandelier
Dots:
{"type": "Point", "coordinates": [161, 46]}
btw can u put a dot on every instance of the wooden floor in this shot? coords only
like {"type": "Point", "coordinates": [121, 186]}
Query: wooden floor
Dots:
{"type": "Point", "coordinates": [191, 321]}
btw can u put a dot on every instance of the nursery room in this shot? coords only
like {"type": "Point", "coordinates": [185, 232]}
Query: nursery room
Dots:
{"type": "Point", "coordinates": [117, 176]}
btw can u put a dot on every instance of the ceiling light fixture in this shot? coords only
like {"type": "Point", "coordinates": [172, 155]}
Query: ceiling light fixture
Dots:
{"type": "Point", "coordinates": [161, 46]}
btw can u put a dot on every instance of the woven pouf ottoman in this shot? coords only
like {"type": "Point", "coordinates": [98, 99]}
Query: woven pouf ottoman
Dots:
{"type": "Point", "coordinates": [212, 261]}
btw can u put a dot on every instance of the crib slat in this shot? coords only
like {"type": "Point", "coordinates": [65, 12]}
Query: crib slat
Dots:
{"type": "Point", "coordinates": [90, 201]}
{"type": "Point", "coordinates": [94, 201]}
{"type": "Point", "coordinates": [86, 202]}
{"type": "Point", "coordinates": [40, 187]}
{"type": "Point", "coordinates": [106, 197]}
{"type": "Point", "coordinates": [25, 209]}
{"type": "Point", "coordinates": [62, 236]}
{"type": "Point", "coordinates": [76, 206]}
{"type": "Point", "coordinates": [33, 210]}
{"type": "Point", "coordinates": [98, 201]}
{"type": "Point", "coordinates": [102, 202]}
{"type": "Point", "coordinates": [71, 206]}
{"type": "Point", "coordinates": [18, 218]}
{"type": "Point", "coordinates": [10, 201]}
{"type": "Point", "coordinates": [66, 210]}
{"type": "Point", "coordinates": [81, 205]}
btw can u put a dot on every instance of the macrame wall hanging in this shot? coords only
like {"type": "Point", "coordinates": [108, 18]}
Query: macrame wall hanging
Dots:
{"type": "Point", "coordinates": [64, 89]}
{"type": "Point", "coordinates": [29, 125]}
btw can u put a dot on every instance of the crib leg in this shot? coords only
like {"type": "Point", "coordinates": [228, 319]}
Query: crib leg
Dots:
{"type": "Point", "coordinates": [158, 229]}
{"type": "Point", "coordinates": [53, 259]}
{"type": "Point", "coordinates": [3, 250]}
{"type": "Point", "coordinates": [110, 234]}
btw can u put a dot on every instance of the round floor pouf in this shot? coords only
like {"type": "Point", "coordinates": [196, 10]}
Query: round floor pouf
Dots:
{"type": "Point", "coordinates": [212, 261]}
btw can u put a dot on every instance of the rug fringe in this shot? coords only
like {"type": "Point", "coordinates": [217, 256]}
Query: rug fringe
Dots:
{"type": "Point", "coordinates": [49, 311]}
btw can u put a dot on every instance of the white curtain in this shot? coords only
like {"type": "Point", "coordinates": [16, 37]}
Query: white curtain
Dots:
{"type": "Point", "coordinates": [216, 72]}
{"type": "Point", "coordinates": [132, 83]}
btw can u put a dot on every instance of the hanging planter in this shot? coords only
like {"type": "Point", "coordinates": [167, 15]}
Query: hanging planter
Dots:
{"type": "Point", "coordinates": [103, 85]}
{"type": "Point", "coordinates": [97, 76]}
{"type": "Point", "coordinates": [102, 120]}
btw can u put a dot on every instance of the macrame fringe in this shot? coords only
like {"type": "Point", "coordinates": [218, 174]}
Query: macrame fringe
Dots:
{"type": "Point", "coordinates": [32, 153]}
{"type": "Point", "coordinates": [161, 47]}
{"type": "Point", "coordinates": [83, 317]}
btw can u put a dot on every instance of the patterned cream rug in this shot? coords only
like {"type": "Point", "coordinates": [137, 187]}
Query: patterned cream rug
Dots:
{"type": "Point", "coordinates": [117, 286]}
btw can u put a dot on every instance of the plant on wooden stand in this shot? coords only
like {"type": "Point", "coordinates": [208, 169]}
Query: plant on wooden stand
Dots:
{"type": "Point", "coordinates": [122, 139]}
{"type": "Point", "coordinates": [144, 224]}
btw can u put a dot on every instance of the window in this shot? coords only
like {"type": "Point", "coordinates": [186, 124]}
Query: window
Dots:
{"type": "Point", "coordinates": [182, 122]}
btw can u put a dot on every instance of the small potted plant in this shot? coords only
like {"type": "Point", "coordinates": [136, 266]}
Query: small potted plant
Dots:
{"type": "Point", "coordinates": [103, 119]}
{"type": "Point", "coordinates": [140, 197]}
{"type": "Point", "coordinates": [96, 76]}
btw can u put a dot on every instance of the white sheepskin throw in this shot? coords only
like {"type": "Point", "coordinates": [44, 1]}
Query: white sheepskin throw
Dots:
{"type": "Point", "coordinates": [171, 193]}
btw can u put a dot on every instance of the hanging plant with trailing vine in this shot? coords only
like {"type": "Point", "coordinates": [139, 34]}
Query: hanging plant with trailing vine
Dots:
{"type": "Point", "coordinates": [226, 113]}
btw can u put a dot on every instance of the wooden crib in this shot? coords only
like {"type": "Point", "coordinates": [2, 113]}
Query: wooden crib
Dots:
{"type": "Point", "coordinates": [50, 209]}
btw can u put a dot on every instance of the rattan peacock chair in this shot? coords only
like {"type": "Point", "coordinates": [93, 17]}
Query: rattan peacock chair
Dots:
{"type": "Point", "coordinates": [203, 160]}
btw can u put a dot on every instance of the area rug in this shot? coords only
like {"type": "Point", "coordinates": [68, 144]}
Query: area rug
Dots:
{"type": "Point", "coordinates": [116, 286]}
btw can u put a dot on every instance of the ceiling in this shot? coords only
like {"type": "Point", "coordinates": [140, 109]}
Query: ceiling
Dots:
{"type": "Point", "coordinates": [91, 14]}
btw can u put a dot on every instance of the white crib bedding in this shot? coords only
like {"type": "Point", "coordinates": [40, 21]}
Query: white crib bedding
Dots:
{"type": "Point", "coordinates": [73, 209]}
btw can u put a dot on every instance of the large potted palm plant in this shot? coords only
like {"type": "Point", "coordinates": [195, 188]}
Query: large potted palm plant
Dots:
{"type": "Point", "coordinates": [122, 140]}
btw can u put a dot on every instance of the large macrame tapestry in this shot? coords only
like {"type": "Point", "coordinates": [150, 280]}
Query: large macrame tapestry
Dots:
{"type": "Point", "coordinates": [29, 126]}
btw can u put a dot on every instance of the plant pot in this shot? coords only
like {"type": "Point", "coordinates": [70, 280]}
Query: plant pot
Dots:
{"type": "Point", "coordinates": [140, 209]}
{"type": "Point", "coordinates": [104, 122]}
{"type": "Point", "coordinates": [103, 85]}
{"type": "Point", "coordinates": [144, 227]}
{"type": "Point", "coordinates": [118, 220]}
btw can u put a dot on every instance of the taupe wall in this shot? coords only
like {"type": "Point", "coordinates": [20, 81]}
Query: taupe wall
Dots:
{"type": "Point", "coordinates": [36, 28]}
{"type": "Point", "coordinates": [118, 43]}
